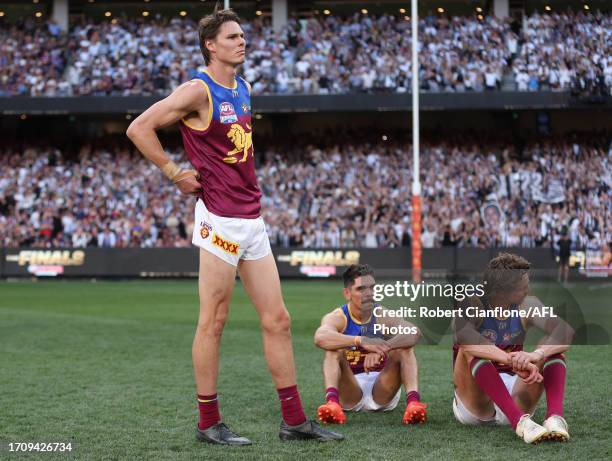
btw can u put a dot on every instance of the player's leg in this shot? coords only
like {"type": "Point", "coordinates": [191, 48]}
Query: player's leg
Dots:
{"type": "Point", "coordinates": [401, 368]}
{"type": "Point", "coordinates": [338, 375]}
{"type": "Point", "coordinates": [341, 388]}
{"type": "Point", "coordinates": [262, 284]}
{"type": "Point", "coordinates": [553, 370]}
{"type": "Point", "coordinates": [527, 396]}
{"type": "Point", "coordinates": [477, 385]}
{"type": "Point", "coordinates": [215, 285]}
{"type": "Point", "coordinates": [469, 393]}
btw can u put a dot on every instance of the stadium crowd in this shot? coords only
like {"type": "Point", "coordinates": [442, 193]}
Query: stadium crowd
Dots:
{"type": "Point", "coordinates": [566, 50]}
{"type": "Point", "coordinates": [325, 54]}
{"type": "Point", "coordinates": [351, 195]}
{"type": "Point", "coordinates": [364, 54]}
{"type": "Point", "coordinates": [33, 60]}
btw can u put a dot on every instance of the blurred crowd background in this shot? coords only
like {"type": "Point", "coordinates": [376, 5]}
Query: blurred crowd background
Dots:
{"type": "Point", "coordinates": [338, 191]}
{"type": "Point", "coordinates": [320, 55]}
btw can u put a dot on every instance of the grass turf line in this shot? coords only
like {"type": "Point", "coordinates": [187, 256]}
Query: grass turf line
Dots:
{"type": "Point", "coordinates": [107, 365]}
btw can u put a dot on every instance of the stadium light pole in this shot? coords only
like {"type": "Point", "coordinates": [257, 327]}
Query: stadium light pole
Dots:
{"type": "Point", "coordinates": [417, 251]}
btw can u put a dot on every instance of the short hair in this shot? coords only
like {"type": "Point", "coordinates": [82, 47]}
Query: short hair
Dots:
{"type": "Point", "coordinates": [208, 28]}
{"type": "Point", "coordinates": [354, 271]}
{"type": "Point", "coordinates": [504, 272]}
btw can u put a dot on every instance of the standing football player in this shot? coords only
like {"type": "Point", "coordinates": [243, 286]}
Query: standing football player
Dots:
{"type": "Point", "coordinates": [214, 114]}
{"type": "Point", "coordinates": [488, 356]}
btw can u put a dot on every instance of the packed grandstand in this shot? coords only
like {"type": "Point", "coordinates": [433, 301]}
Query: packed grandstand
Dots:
{"type": "Point", "coordinates": [337, 191]}
{"type": "Point", "coordinates": [324, 55]}
{"type": "Point", "coordinates": [329, 194]}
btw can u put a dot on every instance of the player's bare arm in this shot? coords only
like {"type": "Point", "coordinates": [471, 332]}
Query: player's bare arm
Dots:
{"type": "Point", "coordinates": [559, 335]}
{"type": "Point", "coordinates": [329, 337]}
{"type": "Point", "coordinates": [401, 340]}
{"type": "Point", "coordinates": [189, 99]}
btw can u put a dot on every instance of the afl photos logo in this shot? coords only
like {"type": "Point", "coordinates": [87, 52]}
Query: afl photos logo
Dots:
{"type": "Point", "coordinates": [227, 114]}
{"type": "Point", "coordinates": [205, 229]}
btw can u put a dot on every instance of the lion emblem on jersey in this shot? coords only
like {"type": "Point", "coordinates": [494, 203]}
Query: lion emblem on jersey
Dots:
{"type": "Point", "coordinates": [243, 142]}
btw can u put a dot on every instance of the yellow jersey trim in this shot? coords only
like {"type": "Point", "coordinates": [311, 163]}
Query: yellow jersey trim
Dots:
{"type": "Point", "coordinates": [210, 108]}
{"type": "Point", "coordinates": [354, 319]}
{"type": "Point", "coordinates": [339, 311]}
{"type": "Point", "coordinates": [226, 87]}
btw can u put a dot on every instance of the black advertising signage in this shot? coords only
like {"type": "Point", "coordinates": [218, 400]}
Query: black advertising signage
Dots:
{"type": "Point", "coordinates": [291, 262]}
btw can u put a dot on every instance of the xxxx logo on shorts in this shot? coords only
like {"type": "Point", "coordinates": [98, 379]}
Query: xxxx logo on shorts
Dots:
{"type": "Point", "coordinates": [225, 245]}
{"type": "Point", "coordinates": [205, 229]}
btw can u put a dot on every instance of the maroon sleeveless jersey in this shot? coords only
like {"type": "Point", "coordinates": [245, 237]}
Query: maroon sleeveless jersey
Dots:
{"type": "Point", "coordinates": [507, 334]}
{"type": "Point", "coordinates": [223, 152]}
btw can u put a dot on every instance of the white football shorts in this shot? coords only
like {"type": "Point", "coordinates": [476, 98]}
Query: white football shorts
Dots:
{"type": "Point", "coordinates": [230, 239]}
{"type": "Point", "coordinates": [366, 383]}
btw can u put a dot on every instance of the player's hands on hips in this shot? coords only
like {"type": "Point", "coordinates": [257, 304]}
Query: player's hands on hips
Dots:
{"type": "Point", "coordinates": [377, 345]}
{"type": "Point", "coordinates": [372, 360]}
{"type": "Point", "coordinates": [520, 360]}
{"type": "Point", "coordinates": [531, 375]}
{"type": "Point", "coordinates": [188, 183]}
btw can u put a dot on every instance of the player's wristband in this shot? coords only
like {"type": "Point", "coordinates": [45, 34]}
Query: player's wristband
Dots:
{"type": "Point", "coordinates": [175, 173]}
{"type": "Point", "coordinates": [171, 170]}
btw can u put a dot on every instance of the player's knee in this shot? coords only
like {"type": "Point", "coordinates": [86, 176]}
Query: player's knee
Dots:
{"type": "Point", "coordinates": [333, 356]}
{"type": "Point", "coordinates": [213, 326]}
{"type": "Point", "coordinates": [219, 324]}
{"type": "Point", "coordinates": [277, 322]}
{"type": "Point", "coordinates": [215, 296]}
{"type": "Point", "coordinates": [399, 356]}
{"type": "Point", "coordinates": [465, 353]}
{"type": "Point", "coordinates": [402, 354]}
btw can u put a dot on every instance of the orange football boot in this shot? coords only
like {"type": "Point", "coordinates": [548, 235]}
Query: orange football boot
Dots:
{"type": "Point", "coordinates": [416, 412]}
{"type": "Point", "coordinates": [331, 413]}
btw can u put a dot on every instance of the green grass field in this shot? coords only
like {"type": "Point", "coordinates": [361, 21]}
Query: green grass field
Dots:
{"type": "Point", "coordinates": [107, 365]}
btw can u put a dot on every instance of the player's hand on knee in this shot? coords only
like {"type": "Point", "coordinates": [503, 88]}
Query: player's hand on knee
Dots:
{"type": "Point", "coordinates": [187, 182]}
{"type": "Point", "coordinates": [376, 345]}
{"type": "Point", "coordinates": [372, 360]}
{"type": "Point", "coordinates": [521, 360]}
{"type": "Point", "coordinates": [531, 375]}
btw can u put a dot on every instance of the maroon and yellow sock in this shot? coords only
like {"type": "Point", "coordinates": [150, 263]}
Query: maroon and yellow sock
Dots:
{"type": "Point", "coordinates": [413, 396]}
{"type": "Point", "coordinates": [487, 377]}
{"type": "Point", "coordinates": [331, 395]}
{"type": "Point", "coordinates": [554, 371]}
{"type": "Point", "coordinates": [291, 405]}
{"type": "Point", "coordinates": [209, 411]}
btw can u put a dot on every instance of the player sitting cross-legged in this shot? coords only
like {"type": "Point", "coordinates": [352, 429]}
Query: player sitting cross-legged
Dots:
{"type": "Point", "coordinates": [363, 372]}
{"type": "Point", "coordinates": [489, 357]}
